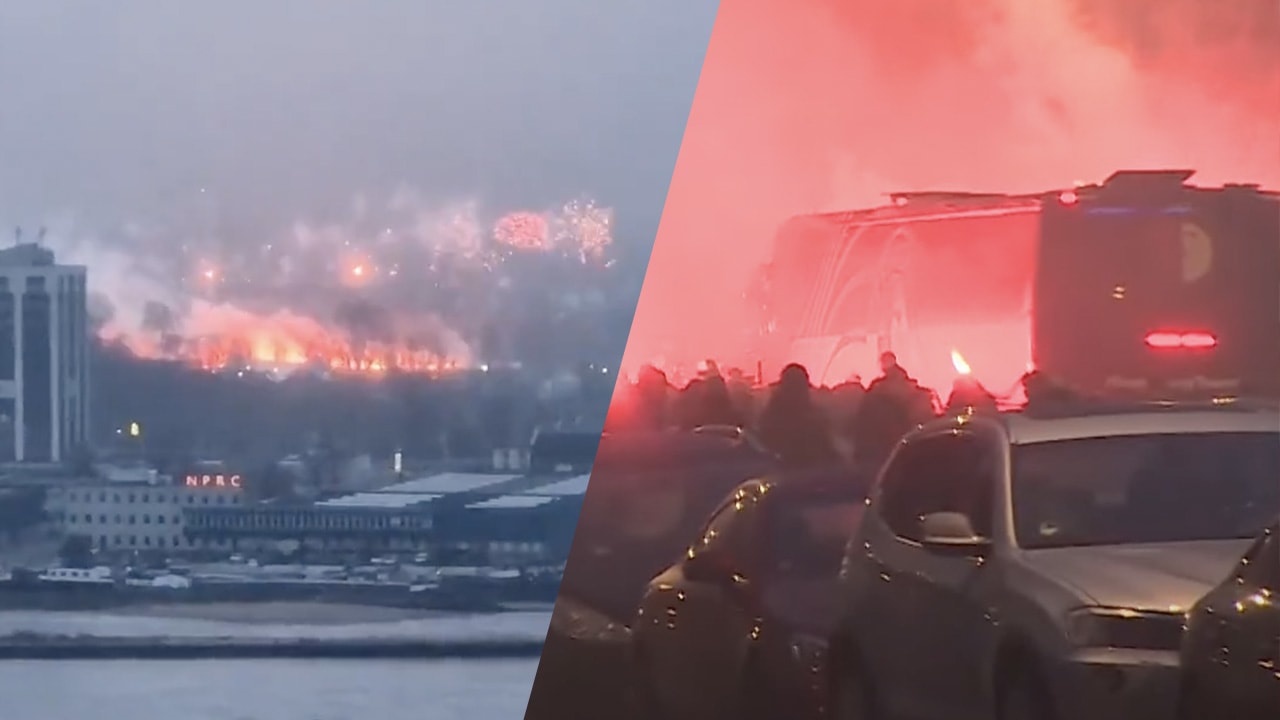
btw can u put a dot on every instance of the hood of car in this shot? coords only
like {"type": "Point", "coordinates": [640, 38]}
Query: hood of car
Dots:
{"type": "Point", "coordinates": [1167, 577]}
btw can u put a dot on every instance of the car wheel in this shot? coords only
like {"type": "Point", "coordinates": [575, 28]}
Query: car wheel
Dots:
{"type": "Point", "coordinates": [754, 700]}
{"type": "Point", "coordinates": [1023, 695]}
{"type": "Point", "coordinates": [852, 694]}
{"type": "Point", "coordinates": [1192, 704]}
{"type": "Point", "coordinates": [645, 704]}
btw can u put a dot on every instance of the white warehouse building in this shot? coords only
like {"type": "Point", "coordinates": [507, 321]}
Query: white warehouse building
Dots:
{"type": "Point", "coordinates": [144, 513]}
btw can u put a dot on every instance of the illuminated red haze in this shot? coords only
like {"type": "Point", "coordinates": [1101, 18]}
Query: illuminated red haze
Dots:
{"type": "Point", "coordinates": [827, 105]}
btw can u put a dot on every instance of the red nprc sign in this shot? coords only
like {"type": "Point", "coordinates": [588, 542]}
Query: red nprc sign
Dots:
{"type": "Point", "coordinates": [223, 481]}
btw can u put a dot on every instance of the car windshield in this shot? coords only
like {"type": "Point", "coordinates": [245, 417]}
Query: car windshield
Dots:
{"type": "Point", "coordinates": [1145, 489]}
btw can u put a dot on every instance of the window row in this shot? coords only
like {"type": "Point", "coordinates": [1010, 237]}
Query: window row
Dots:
{"type": "Point", "coordinates": [176, 541]}
{"type": "Point", "coordinates": [159, 497]}
{"type": "Point", "coordinates": [87, 519]}
{"type": "Point", "coordinates": [307, 520]}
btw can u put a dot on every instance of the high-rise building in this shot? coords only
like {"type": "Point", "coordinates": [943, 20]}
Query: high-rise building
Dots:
{"type": "Point", "coordinates": [44, 345]}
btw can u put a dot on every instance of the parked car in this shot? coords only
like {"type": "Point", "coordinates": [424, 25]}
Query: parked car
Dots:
{"type": "Point", "coordinates": [648, 495]}
{"type": "Point", "coordinates": [735, 628]}
{"type": "Point", "coordinates": [1040, 565]}
{"type": "Point", "coordinates": [1231, 651]}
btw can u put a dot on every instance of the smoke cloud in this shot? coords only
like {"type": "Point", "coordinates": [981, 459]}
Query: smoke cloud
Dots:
{"type": "Point", "coordinates": [828, 105]}
{"type": "Point", "coordinates": [399, 282]}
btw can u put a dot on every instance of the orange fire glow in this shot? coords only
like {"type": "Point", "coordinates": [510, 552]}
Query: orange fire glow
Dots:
{"type": "Point", "coordinates": [233, 339]}
{"type": "Point", "coordinates": [357, 270]}
{"type": "Point", "coordinates": [959, 363]}
{"type": "Point", "coordinates": [282, 353]}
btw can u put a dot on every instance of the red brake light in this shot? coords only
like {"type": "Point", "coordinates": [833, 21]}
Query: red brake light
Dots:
{"type": "Point", "coordinates": [1199, 341]}
{"type": "Point", "coordinates": [1186, 340]}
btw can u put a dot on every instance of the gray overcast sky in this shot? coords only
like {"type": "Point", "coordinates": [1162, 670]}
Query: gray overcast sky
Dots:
{"type": "Point", "coordinates": [292, 107]}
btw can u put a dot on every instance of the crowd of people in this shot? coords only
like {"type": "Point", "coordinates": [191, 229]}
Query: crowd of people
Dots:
{"type": "Point", "coordinates": [803, 424]}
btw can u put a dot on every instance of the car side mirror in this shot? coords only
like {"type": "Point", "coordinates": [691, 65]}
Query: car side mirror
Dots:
{"type": "Point", "coordinates": [951, 533]}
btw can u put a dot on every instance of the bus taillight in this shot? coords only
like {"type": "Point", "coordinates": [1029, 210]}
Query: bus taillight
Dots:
{"type": "Point", "coordinates": [1165, 340]}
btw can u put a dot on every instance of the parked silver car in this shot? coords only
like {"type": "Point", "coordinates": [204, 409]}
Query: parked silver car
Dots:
{"type": "Point", "coordinates": [1024, 566]}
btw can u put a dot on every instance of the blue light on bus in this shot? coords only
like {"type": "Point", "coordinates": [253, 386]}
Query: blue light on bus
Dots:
{"type": "Point", "coordinates": [1175, 210]}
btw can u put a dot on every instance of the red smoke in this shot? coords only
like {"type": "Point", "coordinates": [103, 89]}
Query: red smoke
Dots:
{"type": "Point", "coordinates": [828, 104]}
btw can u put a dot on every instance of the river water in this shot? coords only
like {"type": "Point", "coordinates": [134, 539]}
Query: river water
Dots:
{"type": "Point", "coordinates": [265, 690]}
{"type": "Point", "coordinates": [270, 689]}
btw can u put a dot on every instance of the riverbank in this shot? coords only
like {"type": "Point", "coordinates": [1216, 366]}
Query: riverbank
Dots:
{"type": "Point", "coordinates": [32, 646]}
{"type": "Point", "coordinates": [293, 613]}
{"type": "Point", "coordinates": [286, 621]}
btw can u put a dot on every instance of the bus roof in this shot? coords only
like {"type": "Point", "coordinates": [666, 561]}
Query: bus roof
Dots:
{"type": "Point", "coordinates": [925, 204]}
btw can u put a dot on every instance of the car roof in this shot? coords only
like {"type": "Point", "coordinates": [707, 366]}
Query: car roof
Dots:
{"type": "Point", "coordinates": [1027, 429]}
{"type": "Point", "coordinates": [1024, 430]}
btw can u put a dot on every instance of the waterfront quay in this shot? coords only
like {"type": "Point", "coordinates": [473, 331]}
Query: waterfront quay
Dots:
{"type": "Point", "coordinates": [34, 647]}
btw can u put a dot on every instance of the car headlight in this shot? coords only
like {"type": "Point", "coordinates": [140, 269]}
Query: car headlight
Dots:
{"type": "Point", "coordinates": [1103, 627]}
